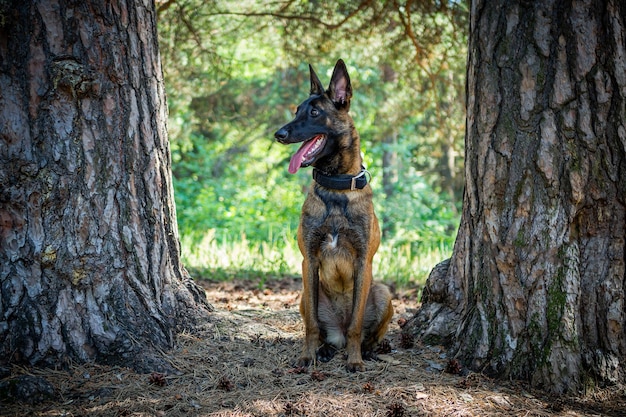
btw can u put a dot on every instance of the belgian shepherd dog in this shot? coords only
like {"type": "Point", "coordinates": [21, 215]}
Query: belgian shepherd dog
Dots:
{"type": "Point", "coordinates": [338, 233]}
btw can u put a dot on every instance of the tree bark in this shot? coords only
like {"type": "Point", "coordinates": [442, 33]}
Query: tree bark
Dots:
{"type": "Point", "coordinates": [89, 252]}
{"type": "Point", "coordinates": [391, 170]}
{"type": "Point", "coordinates": [535, 288]}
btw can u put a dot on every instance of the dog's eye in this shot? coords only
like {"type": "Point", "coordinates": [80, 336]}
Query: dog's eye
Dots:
{"type": "Point", "coordinates": [314, 112]}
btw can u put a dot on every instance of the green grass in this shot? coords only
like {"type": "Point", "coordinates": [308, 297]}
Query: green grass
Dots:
{"type": "Point", "coordinates": [405, 266]}
{"type": "Point", "coordinates": [224, 257]}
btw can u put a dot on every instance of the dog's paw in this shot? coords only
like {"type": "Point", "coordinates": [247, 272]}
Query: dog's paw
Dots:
{"type": "Point", "coordinates": [303, 362]}
{"type": "Point", "coordinates": [326, 352]}
{"type": "Point", "coordinates": [370, 355]}
{"type": "Point", "coordinates": [356, 366]}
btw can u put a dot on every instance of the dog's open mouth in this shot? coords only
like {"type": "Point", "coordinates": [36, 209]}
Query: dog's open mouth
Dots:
{"type": "Point", "coordinates": [307, 152]}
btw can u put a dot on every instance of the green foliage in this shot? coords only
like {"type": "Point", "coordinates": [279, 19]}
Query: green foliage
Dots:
{"type": "Point", "coordinates": [234, 73]}
{"type": "Point", "coordinates": [235, 194]}
{"type": "Point", "coordinates": [418, 215]}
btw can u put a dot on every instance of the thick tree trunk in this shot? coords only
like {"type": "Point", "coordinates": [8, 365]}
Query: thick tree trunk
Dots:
{"type": "Point", "coordinates": [535, 288]}
{"type": "Point", "coordinates": [89, 252]}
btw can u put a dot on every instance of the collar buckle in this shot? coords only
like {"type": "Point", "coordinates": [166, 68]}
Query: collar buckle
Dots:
{"type": "Point", "coordinates": [353, 180]}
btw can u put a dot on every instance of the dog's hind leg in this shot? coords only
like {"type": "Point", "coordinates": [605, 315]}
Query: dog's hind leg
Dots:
{"type": "Point", "coordinates": [378, 314]}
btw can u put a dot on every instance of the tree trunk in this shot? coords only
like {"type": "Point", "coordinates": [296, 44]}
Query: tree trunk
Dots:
{"type": "Point", "coordinates": [89, 254]}
{"type": "Point", "coordinates": [391, 163]}
{"type": "Point", "coordinates": [535, 288]}
{"type": "Point", "coordinates": [390, 175]}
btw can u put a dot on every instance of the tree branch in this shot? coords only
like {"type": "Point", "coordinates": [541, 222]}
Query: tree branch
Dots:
{"type": "Point", "coordinates": [280, 15]}
{"type": "Point", "coordinates": [164, 6]}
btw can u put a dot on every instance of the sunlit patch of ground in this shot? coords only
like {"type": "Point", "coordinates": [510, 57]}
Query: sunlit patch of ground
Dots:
{"type": "Point", "coordinates": [240, 364]}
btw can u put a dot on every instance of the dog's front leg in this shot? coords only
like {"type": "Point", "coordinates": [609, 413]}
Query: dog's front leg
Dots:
{"type": "Point", "coordinates": [362, 284]}
{"type": "Point", "coordinates": [308, 311]}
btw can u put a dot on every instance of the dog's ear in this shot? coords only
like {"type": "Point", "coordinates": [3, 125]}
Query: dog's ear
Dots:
{"type": "Point", "coordinates": [316, 85]}
{"type": "Point", "coordinates": [340, 89]}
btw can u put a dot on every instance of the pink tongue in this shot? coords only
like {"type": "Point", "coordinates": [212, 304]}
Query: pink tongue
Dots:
{"type": "Point", "coordinates": [296, 159]}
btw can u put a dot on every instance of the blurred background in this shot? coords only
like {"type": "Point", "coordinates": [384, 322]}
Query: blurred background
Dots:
{"type": "Point", "coordinates": [235, 72]}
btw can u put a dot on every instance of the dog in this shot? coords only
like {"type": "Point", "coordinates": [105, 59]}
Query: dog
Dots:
{"type": "Point", "coordinates": [338, 233]}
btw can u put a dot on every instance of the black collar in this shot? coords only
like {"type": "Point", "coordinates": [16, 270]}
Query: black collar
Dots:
{"type": "Point", "coordinates": [341, 181]}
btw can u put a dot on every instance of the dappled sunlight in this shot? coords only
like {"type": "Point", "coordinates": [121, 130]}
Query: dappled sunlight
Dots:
{"type": "Point", "coordinates": [232, 255]}
{"type": "Point", "coordinates": [239, 363]}
{"type": "Point", "coordinates": [236, 256]}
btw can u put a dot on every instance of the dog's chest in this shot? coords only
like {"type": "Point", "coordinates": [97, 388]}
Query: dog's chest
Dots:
{"type": "Point", "coordinates": [334, 222]}
{"type": "Point", "coordinates": [336, 230]}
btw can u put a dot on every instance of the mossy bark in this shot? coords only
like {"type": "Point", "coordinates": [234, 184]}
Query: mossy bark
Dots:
{"type": "Point", "coordinates": [535, 288]}
{"type": "Point", "coordinates": [89, 254]}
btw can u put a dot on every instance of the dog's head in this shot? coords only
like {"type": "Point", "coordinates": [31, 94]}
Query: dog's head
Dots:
{"type": "Point", "coordinates": [321, 122]}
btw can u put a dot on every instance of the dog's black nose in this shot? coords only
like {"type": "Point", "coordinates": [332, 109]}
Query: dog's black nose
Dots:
{"type": "Point", "coordinates": [281, 135]}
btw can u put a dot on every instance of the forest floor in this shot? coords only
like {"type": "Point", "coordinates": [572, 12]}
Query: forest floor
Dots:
{"type": "Point", "coordinates": [240, 364]}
